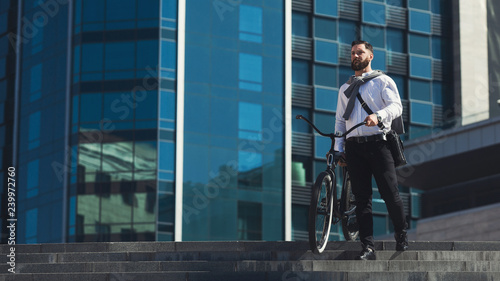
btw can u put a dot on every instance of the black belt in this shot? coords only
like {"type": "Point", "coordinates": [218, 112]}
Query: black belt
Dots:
{"type": "Point", "coordinates": [378, 137]}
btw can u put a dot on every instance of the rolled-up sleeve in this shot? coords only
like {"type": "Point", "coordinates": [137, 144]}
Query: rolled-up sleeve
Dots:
{"type": "Point", "coordinates": [340, 126]}
{"type": "Point", "coordinates": [390, 97]}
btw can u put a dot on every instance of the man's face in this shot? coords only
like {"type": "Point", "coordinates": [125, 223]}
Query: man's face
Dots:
{"type": "Point", "coordinates": [360, 57]}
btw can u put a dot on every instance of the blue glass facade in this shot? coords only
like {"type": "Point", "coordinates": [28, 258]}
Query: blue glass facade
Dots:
{"type": "Point", "coordinates": [98, 116]}
{"type": "Point", "coordinates": [408, 39]}
{"type": "Point", "coordinates": [234, 90]}
{"type": "Point", "coordinates": [8, 14]}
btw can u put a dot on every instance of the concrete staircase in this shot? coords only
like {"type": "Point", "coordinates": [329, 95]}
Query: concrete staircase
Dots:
{"type": "Point", "coordinates": [291, 261]}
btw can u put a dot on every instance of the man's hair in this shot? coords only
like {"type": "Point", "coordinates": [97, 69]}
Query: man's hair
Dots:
{"type": "Point", "coordinates": [368, 46]}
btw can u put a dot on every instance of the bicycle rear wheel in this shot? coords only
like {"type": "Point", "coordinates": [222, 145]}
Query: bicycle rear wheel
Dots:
{"type": "Point", "coordinates": [350, 226]}
{"type": "Point", "coordinates": [320, 212]}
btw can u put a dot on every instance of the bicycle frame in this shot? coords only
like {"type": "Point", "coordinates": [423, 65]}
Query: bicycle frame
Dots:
{"type": "Point", "coordinates": [339, 212]}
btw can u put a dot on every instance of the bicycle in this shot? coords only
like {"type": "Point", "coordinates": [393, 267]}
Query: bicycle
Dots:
{"type": "Point", "coordinates": [324, 202]}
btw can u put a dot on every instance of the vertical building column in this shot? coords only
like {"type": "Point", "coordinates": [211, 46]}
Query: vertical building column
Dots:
{"type": "Point", "coordinates": [179, 128]}
{"type": "Point", "coordinates": [473, 30]}
{"type": "Point", "coordinates": [67, 123]}
{"type": "Point", "coordinates": [288, 120]}
{"type": "Point", "coordinates": [17, 85]}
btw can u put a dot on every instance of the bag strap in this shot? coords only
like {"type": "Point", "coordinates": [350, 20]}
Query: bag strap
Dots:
{"type": "Point", "coordinates": [368, 110]}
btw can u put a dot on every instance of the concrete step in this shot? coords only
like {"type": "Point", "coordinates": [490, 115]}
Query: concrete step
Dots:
{"type": "Point", "coordinates": [152, 261]}
{"type": "Point", "coordinates": [260, 276]}
{"type": "Point", "coordinates": [256, 256]}
{"type": "Point", "coordinates": [243, 246]}
{"type": "Point", "coordinates": [260, 266]}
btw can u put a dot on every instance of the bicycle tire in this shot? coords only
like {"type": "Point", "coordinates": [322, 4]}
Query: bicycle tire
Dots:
{"type": "Point", "coordinates": [350, 226]}
{"type": "Point", "coordinates": [320, 212]}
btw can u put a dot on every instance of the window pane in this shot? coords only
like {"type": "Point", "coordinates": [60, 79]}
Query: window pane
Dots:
{"type": "Point", "coordinates": [92, 57]}
{"type": "Point", "coordinates": [436, 47]}
{"type": "Point", "coordinates": [437, 93]}
{"type": "Point", "coordinates": [400, 83]}
{"type": "Point", "coordinates": [438, 6]}
{"type": "Point", "coordinates": [379, 60]}
{"type": "Point", "coordinates": [373, 13]}
{"type": "Point", "coordinates": [249, 221]}
{"type": "Point", "coordinates": [348, 32]}
{"type": "Point", "coordinates": [169, 9]}
{"type": "Point", "coordinates": [326, 7]}
{"type": "Point", "coordinates": [120, 56]}
{"type": "Point", "coordinates": [326, 51]}
{"type": "Point", "coordinates": [325, 28]}
{"type": "Point", "coordinates": [33, 170]}
{"type": "Point", "coordinates": [89, 157]}
{"type": "Point", "coordinates": [420, 44]}
{"type": "Point", "coordinates": [325, 122]}
{"type": "Point", "coordinates": [301, 72]}
{"type": "Point", "coordinates": [326, 99]}
{"type": "Point", "coordinates": [114, 209]}
{"type": "Point", "coordinates": [250, 116]}
{"type": "Point", "coordinates": [321, 146]}
{"type": "Point", "coordinates": [90, 108]}
{"type": "Point", "coordinates": [420, 67]}
{"type": "Point", "coordinates": [250, 68]}
{"type": "Point", "coordinates": [398, 3]}
{"type": "Point", "coordinates": [117, 156]}
{"type": "Point", "coordinates": [149, 11]}
{"type": "Point", "coordinates": [145, 155]}
{"type": "Point", "coordinates": [167, 156]}
{"type": "Point", "coordinates": [146, 105]}
{"type": "Point", "coordinates": [421, 4]}
{"type": "Point", "coordinates": [325, 76]}
{"type": "Point", "coordinates": [421, 113]}
{"type": "Point", "coordinates": [167, 106]}
{"type": "Point", "coordinates": [147, 54]}
{"type": "Point", "coordinates": [250, 19]}
{"type": "Point", "coordinates": [168, 54]}
{"type": "Point", "coordinates": [34, 126]}
{"type": "Point", "coordinates": [344, 74]}
{"type": "Point", "coordinates": [120, 9]}
{"type": "Point", "coordinates": [374, 35]}
{"type": "Point", "coordinates": [420, 21]}
{"type": "Point", "coordinates": [93, 10]}
{"type": "Point", "coordinates": [300, 25]}
{"type": "Point", "coordinates": [395, 40]}
{"type": "Point", "coordinates": [301, 127]}
{"type": "Point", "coordinates": [420, 90]}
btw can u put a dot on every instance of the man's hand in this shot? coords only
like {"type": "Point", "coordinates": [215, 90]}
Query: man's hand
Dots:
{"type": "Point", "coordinates": [371, 120]}
{"type": "Point", "coordinates": [340, 158]}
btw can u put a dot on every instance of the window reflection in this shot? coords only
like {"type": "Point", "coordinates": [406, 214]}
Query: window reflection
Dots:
{"type": "Point", "coordinates": [249, 221]}
{"type": "Point", "coordinates": [120, 161]}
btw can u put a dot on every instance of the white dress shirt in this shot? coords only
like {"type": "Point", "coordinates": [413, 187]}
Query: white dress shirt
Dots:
{"type": "Point", "coordinates": [382, 97]}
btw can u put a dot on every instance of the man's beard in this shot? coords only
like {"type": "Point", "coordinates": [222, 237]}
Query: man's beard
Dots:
{"type": "Point", "coordinates": [359, 65]}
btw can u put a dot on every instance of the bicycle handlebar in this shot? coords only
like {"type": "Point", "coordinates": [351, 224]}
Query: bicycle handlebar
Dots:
{"type": "Point", "coordinates": [331, 135]}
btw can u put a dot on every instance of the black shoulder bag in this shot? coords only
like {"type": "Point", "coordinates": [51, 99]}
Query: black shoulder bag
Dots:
{"type": "Point", "coordinates": [393, 139]}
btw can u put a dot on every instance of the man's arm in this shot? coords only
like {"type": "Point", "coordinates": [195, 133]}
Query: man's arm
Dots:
{"type": "Point", "coordinates": [391, 99]}
{"type": "Point", "coordinates": [340, 126]}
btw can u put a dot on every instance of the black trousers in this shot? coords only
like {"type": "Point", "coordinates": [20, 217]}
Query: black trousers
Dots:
{"type": "Point", "coordinates": [363, 161]}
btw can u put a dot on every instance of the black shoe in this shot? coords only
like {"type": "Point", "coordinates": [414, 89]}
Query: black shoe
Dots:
{"type": "Point", "coordinates": [367, 254]}
{"type": "Point", "coordinates": [401, 241]}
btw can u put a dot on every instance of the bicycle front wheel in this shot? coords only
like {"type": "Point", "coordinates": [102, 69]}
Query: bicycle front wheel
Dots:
{"type": "Point", "coordinates": [320, 212]}
{"type": "Point", "coordinates": [350, 227]}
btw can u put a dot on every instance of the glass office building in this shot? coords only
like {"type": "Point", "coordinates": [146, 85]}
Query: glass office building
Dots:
{"type": "Point", "coordinates": [168, 120]}
{"type": "Point", "coordinates": [410, 39]}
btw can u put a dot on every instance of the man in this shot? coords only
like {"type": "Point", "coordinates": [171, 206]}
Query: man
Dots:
{"type": "Point", "coordinates": [366, 150]}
